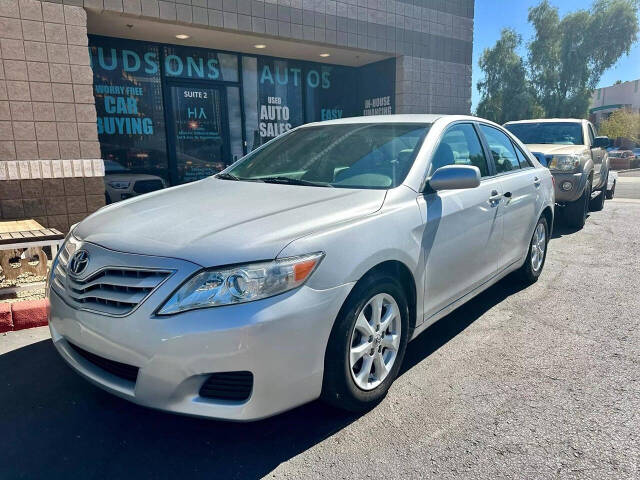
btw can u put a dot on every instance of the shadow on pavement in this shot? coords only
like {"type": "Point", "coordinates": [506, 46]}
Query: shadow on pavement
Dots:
{"type": "Point", "coordinates": [560, 227]}
{"type": "Point", "coordinates": [54, 424]}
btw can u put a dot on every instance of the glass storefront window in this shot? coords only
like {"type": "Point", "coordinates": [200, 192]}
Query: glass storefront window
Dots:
{"type": "Point", "coordinates": [326, 97]}
{"type": "Point", "coordinates": [279, 98]}
{"type": "Point", "coordinates": [128, 94]}
{"type": "Point", "coordinates": [250, 101]}
{"type": "Point", "coordinates": [235, 123]}
{"type": "Point", "coordinates": [198, 131]}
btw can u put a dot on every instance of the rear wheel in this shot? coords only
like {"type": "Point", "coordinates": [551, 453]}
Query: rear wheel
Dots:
{"type": "Point", "coordinates": [367, 345]}
{"type": "Point", "coordinates": [611, 193]}
{"type": "Point", "coordinates": [533, 265]}
{"type": "Point", "coordinates": [576, 212]}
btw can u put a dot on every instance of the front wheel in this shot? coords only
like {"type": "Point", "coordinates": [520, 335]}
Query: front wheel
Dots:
{"type": "Point", "coordinates": [367, 345]}
{"type": "Point", "coordinates": [532, 267]}
{"type": "Point", "coordinates": [576, 212]}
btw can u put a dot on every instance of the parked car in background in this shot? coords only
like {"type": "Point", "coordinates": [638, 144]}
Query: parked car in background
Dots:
{"type": "Point", "coordinates": [577, 159]}
{"type": "Point", "coordinates": [120, 183]}
{"type": "Point", "coordinates": [622, 159]}
{"type": "Point", "coordinates": [636, 152]}
{"type": "Point", "coordinates": [302, 270]}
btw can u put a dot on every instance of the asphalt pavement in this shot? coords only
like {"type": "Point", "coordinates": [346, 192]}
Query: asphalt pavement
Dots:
{"type": "Point", "coordinates": [537, 382]}
{"type": "Point", "coordinates": [628, 185]}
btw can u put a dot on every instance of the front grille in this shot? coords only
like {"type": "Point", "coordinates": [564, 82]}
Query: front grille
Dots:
{"type": "Point", "coordinates": [120, 370]}
{"type": "Point", "coordinates": [112, 290]}
{"type": "Point", "coordinates": [146, 186]}
{"type": "Point", "coordinates": [234, 386]}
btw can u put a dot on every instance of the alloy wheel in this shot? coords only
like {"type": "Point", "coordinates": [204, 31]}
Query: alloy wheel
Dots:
{"type": "Point", "coordinates": [538, 246]}
{"type": "Point", "coordinates": [375, 340]}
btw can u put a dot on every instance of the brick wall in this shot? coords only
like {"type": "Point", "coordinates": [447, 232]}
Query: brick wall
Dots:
{"type": "Point", "coordinates": [48, 136]}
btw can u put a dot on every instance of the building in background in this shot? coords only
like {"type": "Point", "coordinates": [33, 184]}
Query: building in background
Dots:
{"type": "Point", "coordinates": [607, 100]}
{"type": "Point", "coordinates": [166, 92]}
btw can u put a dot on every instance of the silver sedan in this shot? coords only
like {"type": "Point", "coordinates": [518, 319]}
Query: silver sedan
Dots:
{"type": "Point", "coordinates": [301, 271]}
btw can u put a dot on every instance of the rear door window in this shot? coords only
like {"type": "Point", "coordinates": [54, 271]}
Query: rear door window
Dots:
{"type": "Point", "coordinates": [522, 159]}
{"type": "Point", "coordinates": [502, 150]}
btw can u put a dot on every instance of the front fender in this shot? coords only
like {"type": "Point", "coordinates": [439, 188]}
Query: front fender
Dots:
{"type": "Point", "coordinates": [394, 233]}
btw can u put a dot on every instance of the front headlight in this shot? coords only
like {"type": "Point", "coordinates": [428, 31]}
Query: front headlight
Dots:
{"type": "Point", "coordinates": [564, 163]}
{"type": "Point", "coordinates": [240, 284]}
{"type": "Point", "coordinates": [119, 184]}
{"type": "Point", "coordinates": [70, 248]}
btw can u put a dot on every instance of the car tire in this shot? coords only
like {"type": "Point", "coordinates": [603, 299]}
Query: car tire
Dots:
{"type": "Point", "coordinates": [576, 212]}
{"type": "Point", "coordinates": [597, 203]}
{"type": "Point", "coordinates": [611, 193]}
{"type": "Point", "coordinates": [537, 253]}
{"type": "Point", "coordinates": [347, 341]}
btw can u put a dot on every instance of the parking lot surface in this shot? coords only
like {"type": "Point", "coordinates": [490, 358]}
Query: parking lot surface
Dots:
{"type": "Point", "coordinates": [628, 185]}
{"type": "Point", "coordinates": [537, 382]}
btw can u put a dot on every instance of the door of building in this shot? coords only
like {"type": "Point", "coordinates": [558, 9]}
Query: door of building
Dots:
{"type": "Point", "coordinates": [197, 128]}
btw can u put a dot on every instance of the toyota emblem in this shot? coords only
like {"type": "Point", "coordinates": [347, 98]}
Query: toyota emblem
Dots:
{"type": "Point", "coordinates": [79, 262]}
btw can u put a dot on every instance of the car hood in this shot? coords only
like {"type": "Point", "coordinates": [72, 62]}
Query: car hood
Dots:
{"type": "Point", "coordinates": [217, 222]}
{"type": "Point", "coordinates": [553, 149]}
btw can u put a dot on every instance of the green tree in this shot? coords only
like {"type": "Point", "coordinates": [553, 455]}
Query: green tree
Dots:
{"type": "Point", "coordinates": [568, 55]}
{"type": "Point", "coordinates": [505, 91]}
{"type": "Point", "coordinates": [622, 124]}
{"type": "Point", "coordinates": [566, 58]}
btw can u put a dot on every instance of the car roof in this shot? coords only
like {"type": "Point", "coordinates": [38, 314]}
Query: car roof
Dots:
{"type": "Point", "coordinates": [548, 120]}
{"type": "Point", "coordinates": [397, 118]}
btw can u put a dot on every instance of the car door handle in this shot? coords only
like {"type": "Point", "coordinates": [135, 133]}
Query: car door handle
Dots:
{"type": "Point", "coordinates": [536, 181]}
{"type": "Point", "coordinates": [495, 197]}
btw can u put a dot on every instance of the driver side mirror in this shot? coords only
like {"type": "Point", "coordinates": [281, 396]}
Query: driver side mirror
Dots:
{"type": "Point", "coordinates": [601, 142]}
{"type": "Point", "coordinates": [453, 177]}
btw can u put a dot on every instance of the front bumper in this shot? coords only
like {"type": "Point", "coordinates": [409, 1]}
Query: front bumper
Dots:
{"type": "Point", "coordinates": [281, 340]}
{"type": "Point", "coordinates": [578, 182]}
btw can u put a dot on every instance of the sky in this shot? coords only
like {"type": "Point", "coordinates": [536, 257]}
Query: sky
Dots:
{"type": "Point", "coordinates": [491, 16]}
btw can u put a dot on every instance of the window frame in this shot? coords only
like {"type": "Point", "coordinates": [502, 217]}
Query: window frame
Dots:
{"type": "Point", "coordinates": [488, 149]}
{"type": "Point", "coordinates": [524, 155]}
{"type": "Point", "coordinates": [490, 166]}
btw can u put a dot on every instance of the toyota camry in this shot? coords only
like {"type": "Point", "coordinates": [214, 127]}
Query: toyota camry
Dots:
{"type": "Point", "coordinates": [302, 270]}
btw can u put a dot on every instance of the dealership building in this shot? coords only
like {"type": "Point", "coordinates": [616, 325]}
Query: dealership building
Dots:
{"type": "Point", "coordinates": [140, 94]}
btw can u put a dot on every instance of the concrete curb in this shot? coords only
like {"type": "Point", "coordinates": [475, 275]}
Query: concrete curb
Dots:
{"type": "Point", "coordinates": [21, 315]}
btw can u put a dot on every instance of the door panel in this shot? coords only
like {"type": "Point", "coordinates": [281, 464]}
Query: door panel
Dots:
{"type": "Point", "coordinates": [518, 210]}
{"type": "Point", "coordinates": [463, 227]}
{"type": "Point", "coordinates": [462, 238]}
{"type": "Point", "coordinates": [199, 146]}
{"type": "Point", "coordinates": [519, 184]}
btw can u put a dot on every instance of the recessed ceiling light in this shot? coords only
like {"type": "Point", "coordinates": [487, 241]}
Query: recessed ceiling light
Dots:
{"type": "Point", "coordinates": [260, 45]}
{"type": "Point", "coordinates": [182, 36]}
{"type": "Point", "coordinates": [325, 55]}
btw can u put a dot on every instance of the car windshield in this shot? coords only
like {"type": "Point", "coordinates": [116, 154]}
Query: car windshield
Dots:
{"type": "Point", "coordinates": [359, 155]}
{"type": "Point", "coordinates": [558, 133]}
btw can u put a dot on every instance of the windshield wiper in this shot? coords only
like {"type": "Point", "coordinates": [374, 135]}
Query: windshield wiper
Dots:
{"type": "Point", "coordinates": [294, 181]}
{"type": "Point", "coordinates": [227, 176]}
